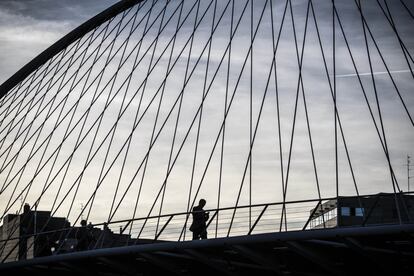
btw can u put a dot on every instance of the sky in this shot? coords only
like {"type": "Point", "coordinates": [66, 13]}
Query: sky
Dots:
{"type": "Point", "coordinates": [28, 27]}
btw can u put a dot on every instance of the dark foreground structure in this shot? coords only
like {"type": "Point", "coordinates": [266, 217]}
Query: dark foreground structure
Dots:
{"type": "Point", "coordinates": [34, 234]}
{"type": "Point", "coordinates": [371, 250]}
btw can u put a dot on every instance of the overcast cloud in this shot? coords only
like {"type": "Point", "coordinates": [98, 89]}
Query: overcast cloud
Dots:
{"type": "Point", "coordinates": [28, 27]}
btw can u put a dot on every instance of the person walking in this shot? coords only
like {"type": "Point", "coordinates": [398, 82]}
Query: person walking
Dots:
{"type": "Point", "coordinates": [200, 217]}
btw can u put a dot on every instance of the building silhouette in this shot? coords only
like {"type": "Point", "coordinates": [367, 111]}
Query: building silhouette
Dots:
{"type": "Point", "coordinates": [37, 233]}
{"type": "Point", "coordinates": [21, 228]}
{"type": "Point", "coordinates": [378, 209]}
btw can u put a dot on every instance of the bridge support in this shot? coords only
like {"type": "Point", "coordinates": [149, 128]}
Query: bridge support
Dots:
{"type": "Point", "coordinates": [323, 251]}
{"type": "Point", "coordinates": [259, 258]}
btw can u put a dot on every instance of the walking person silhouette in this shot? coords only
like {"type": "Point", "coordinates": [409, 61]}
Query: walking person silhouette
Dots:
{"type": "Point", "coordinates": [84, 236]}
{"type": "Point", "coordinates": [198, 227]}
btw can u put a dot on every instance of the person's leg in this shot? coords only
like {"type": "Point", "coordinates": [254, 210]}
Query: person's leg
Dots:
{"type": "Point", "coordinates": [195, 235]}
{"type": "Point", "coordinates": [203, 235]}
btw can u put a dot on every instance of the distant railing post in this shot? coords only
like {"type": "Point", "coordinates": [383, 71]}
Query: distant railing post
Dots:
{"type": "Point", "coordinates": [212, 218]}
{"type": "Point", "coordinates": [258, 219]}
{"type": "Point", "coordinates": [311, 215]}
{"type": "Point", "coordinates": [162, 229]}
{"type": "Point", "coordinates": [126, 226]}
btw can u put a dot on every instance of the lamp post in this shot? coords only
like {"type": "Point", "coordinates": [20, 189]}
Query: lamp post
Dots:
{"type": "Point", "coordinates": [408, 171]}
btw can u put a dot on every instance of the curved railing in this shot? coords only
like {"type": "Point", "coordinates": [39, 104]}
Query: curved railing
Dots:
{"type": "Point", "coordinates": [224, 222]}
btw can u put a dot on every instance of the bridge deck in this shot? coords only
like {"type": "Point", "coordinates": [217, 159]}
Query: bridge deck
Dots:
{"type": "Point", "coordinates": [378, 250]}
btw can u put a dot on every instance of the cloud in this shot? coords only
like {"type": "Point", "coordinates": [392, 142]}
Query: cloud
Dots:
{"type": "Point", "coordinates": [28, 27]}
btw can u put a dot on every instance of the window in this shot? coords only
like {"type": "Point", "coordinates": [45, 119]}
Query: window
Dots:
{"type": "Point", "coordinates": [345, 211]}
{"type": "Point", "coordinates": [359, 212]}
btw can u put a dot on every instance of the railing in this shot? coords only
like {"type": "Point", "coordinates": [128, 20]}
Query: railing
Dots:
{"type": "Point", "coordinates": [223, 222]}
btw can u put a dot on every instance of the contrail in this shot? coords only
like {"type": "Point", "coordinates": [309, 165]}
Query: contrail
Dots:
{"type": "Point", "coordinates": [375, 73]}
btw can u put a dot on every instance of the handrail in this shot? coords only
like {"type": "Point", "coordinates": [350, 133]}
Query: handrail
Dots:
{"type": "Point", "coordinates": [171, 215]}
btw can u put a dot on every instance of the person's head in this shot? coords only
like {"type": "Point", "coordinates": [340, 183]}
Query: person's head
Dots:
{"type": "Point", "coordinates": [83, 223]}
{"type": "Point", "coordinates": [202, 202]}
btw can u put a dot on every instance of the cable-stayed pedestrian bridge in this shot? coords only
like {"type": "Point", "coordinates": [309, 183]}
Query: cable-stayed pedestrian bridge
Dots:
{"type": "Point", "coordinates": [292, 118]}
